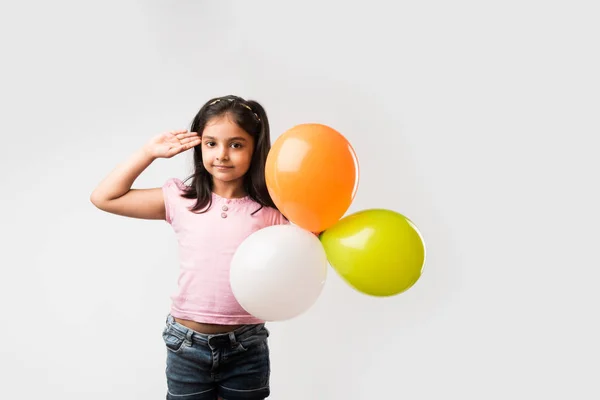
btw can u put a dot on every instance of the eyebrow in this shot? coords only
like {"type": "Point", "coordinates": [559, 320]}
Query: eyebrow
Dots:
{"type": "Point", "coordinates": [239, 138]}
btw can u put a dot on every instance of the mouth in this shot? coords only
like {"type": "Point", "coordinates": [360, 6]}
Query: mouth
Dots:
{"type": "Point", "coordinates": [222, 167]}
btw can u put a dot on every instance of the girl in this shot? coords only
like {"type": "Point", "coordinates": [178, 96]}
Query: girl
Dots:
{"type": "Point", "coordinates": [215, 349]}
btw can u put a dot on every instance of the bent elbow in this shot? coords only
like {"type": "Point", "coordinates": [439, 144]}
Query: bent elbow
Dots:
{"type": "Point", "coordinates": [95, 200]}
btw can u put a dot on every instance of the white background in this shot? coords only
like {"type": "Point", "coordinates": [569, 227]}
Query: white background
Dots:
{"type": "Point", "coordinates": [478, 120]}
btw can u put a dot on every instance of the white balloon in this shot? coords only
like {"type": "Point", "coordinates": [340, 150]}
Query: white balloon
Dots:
{"type": "Point", "coordinates": [278, 272]}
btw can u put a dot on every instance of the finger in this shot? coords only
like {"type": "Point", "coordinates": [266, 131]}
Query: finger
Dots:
{"type": "Point", "coordinates": [188, 145]}
{"type": "Point", "coordinates": [191, 144]}
{"type": "Point", "coordinates": [189, 139]}
{"type": "Point", "coordinates": [186, 134]}
{"type": "Point", "coordinates": [174, 133]}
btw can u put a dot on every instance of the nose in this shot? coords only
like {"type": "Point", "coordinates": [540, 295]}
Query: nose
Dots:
{"type": "Point", "coordinates": [222, 154]}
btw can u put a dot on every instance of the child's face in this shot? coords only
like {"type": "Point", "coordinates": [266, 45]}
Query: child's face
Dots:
{"type": "Point", "coordinates": [226, 149]}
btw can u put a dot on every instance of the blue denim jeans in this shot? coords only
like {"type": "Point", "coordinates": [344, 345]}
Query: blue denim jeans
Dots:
{"type": "Point", "coordinates": [233, 365]}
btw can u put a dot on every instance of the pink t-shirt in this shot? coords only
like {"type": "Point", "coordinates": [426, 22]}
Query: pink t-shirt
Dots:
{"type": "Point", "coordinates": [207, 243]}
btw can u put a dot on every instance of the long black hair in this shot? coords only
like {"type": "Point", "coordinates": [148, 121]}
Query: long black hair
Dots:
{"type": "Point", "coordinates": [252, 118]}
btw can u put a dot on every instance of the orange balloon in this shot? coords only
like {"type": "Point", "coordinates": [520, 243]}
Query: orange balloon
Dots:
{"type": "Point", "coordinates": [312, 175]}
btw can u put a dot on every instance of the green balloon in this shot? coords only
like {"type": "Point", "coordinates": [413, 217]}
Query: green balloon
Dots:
{"type": "Point", "coordinates": [378, 252]}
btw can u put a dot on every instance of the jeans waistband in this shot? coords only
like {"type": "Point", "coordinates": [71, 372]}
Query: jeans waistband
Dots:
{"type": "Point", "coordinates": [239, 334]}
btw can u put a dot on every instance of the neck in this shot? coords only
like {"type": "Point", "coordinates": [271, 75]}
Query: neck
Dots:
{"type": "Point", "coordinates": [229, 190]}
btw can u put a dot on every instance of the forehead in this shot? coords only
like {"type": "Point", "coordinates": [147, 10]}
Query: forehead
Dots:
{"type": "Point", "coordinates": [224, 128]}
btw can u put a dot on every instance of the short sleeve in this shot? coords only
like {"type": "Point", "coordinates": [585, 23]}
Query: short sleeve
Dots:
{"type": "Point", "coordinates": [172, 191]}
{"type": "Point", "coordinates": [279, 218]}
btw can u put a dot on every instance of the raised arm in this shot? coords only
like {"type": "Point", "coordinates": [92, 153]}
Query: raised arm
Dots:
{"type": "Point", "coordinates": [115, 195]}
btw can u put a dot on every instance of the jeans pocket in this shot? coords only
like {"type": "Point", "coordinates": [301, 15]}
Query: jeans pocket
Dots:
{"type": "Point", "coordinates": [172, 340]}
{"type": "Point", "coordinates": [259, 339]}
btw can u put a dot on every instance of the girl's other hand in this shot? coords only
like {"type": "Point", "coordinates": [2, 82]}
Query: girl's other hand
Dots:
{"type": "Point", "coordinates": [167, 145]}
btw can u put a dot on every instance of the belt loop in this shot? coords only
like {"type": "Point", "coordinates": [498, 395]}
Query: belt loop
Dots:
{"type": "Point", "coordinates": [188, 337]}
{"type": "Point", "coordinates": [232, 339]}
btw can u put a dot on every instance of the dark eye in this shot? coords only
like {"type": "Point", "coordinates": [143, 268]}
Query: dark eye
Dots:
{"type": "Point", "coordinates": [210, 144]}
{"type": "Point", "coordinates": [236, 145]}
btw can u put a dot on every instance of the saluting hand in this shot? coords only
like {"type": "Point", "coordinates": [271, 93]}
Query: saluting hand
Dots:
{"type": "Point", "coordinates": [169, 144]}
